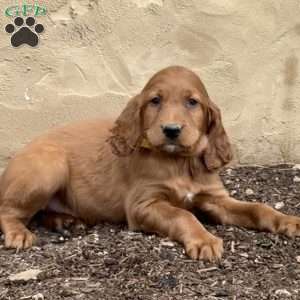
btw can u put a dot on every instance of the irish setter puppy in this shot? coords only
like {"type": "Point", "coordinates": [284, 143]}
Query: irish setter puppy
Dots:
{"type": "Point", "coordinates": [153, 167]}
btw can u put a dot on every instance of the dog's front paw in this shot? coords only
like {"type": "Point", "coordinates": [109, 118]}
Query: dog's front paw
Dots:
{"type": "Point", "coordinates": [207, 248]}
{"type": "Point", "coordinates": [19, 239]}
{"type": "Point", "coordinates": [290, 226]}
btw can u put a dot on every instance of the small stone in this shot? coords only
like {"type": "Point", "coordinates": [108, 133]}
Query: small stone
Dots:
{"type": "Point", "coordinates": [167, 281]}
{"type": "Point", "coordinates": [31, 274]}
{"type": "Point", "coordinates": [38, 296]}
{"type": "Point", "coordinates": [80, 226]}
{"type": "Point", "coordinates": [296, 167]}
{"type": "Point", "coordinates": [296, 179]}
{"type": "Point", "coordinates": [283, 292]}
{"type": "Point", "coordinates": [298, 259]}
{"type": "Point", "coordinates": [279, 205]}
{"type": "Point", "coordinates": [229, 171]}
{"type": "Point", "coordinates": [249, 192]}
{"type": "Point", "coordinates": [233, 192]}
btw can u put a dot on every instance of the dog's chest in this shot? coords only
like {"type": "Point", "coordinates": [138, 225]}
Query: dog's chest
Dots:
{"type": "Point", "coordinates": [185, 190]}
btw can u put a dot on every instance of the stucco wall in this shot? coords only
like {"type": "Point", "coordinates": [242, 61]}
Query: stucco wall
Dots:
{"type": "Point", "coordinates": [94, 55]}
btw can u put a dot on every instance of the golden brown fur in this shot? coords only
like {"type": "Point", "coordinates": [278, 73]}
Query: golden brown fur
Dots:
{"type": "Point", "coordinates": [129, 170]}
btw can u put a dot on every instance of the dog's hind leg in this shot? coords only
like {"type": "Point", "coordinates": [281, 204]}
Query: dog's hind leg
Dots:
{"type": "Point", "coordinates": [59, 222]}
{"type": "Point", "coordinates": [26, 186]}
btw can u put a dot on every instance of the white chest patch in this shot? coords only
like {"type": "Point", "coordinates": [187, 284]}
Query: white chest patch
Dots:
{"type": "Point", "coordinates": [189, 197]}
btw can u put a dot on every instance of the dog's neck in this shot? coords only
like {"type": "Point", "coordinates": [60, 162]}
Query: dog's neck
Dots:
{"type": "Point", "coordinates": [191, 161]}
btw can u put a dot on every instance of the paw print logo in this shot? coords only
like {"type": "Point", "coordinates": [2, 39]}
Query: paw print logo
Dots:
{"type": "Point", "coordinates": [24, 33]}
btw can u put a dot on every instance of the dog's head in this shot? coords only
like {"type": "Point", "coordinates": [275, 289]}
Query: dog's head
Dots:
{"type": "Point", "coordinates": [173, 114]}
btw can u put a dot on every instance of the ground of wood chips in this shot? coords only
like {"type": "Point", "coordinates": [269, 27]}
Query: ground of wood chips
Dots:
{"type": "Point", "coordinates": [109, 262]}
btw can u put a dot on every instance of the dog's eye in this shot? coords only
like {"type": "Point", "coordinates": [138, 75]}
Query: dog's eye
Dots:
{"type": "Point", "coordinates": [155, 101]}
{"type": "Point", "coordinates": [191, 102]}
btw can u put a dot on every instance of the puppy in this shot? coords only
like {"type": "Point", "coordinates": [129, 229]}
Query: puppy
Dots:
{"type": "Point", "coordinates": [153, 167]}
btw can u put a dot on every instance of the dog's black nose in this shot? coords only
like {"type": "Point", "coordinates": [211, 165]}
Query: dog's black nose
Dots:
{"type": "Point", "coordinates": [171, 131]}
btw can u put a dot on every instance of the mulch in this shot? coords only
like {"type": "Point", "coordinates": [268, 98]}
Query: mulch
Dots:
{"type": "Point", "coordinates": [109, 262]}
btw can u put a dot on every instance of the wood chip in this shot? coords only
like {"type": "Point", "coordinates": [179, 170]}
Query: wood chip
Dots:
{"type": "Point", "coordinates": [79, 278]}
{"type": "Point", "coordinates": [167, 244]}
{"type": "Point", "coordinates": [207, 270]}
{"type": "Point", "coordinates": [283, 292]}
{"type": "Point", "coordinates": [244, 255]}
{"type": "Point", "coordinates": [232, 246]}
{"type": "Point", "coordinates": [31, 274]}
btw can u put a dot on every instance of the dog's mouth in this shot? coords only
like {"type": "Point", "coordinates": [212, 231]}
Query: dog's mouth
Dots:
{"type": "Point", "coordinates": [168, 146]}
{"type": "Point", "coordinates": [172, 148]}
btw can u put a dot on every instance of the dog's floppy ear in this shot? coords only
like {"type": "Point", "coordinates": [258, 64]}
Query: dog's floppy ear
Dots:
{"type": "Point", "coordinates": [218, 152]}
{"type": "Point", "coordinates": [127, 128]}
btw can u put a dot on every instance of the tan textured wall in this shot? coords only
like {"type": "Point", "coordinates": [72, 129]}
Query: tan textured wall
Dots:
{"type": "Point", "coordinates": [95, 54]}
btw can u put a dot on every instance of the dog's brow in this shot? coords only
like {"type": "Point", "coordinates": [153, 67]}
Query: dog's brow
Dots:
{"type": "Point", "coordinates": [193, 93]}
{"type": "Point", "coordinates": [156, 91]}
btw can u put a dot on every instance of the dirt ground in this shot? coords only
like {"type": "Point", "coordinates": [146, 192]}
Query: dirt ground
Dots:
{"type": "Point", "coordinates": [108, 262]}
